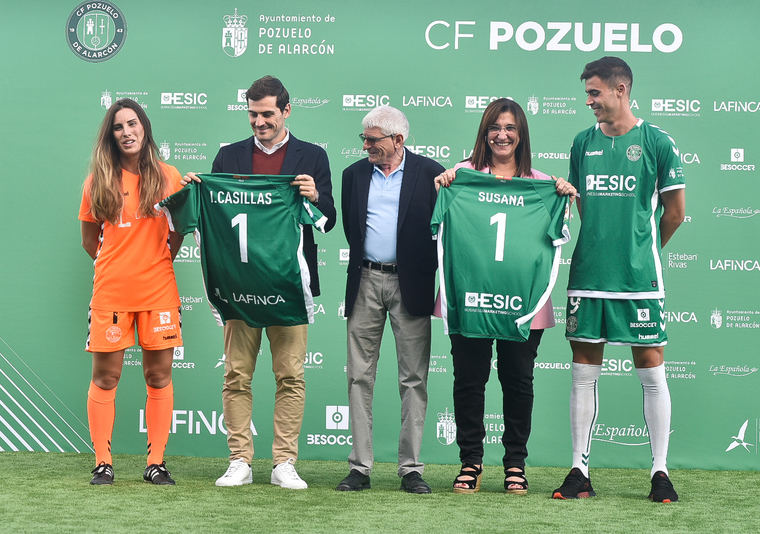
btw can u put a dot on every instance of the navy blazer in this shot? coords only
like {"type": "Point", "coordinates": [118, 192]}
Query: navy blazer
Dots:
{"type": "Point", "coordinates": [416, 255]}
{"type": "Point", "coordinates": [301, 158]}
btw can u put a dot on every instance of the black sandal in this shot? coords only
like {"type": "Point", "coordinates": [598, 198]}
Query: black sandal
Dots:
{"type": "Point", "coordinates": [474, 473]}
{"type": "Point", "coordinates": [522, 482]}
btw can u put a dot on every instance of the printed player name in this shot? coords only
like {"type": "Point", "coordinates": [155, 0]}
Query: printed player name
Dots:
{"type": "Point", "coordinates": [240, 197]}
{"type": "Point", "coordinates": [498, 198]}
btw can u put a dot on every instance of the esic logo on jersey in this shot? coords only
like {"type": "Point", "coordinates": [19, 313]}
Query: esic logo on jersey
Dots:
{"type": "Point", "coordinates": [610, 185]}
{"type": "Point", "coordinates": [490, 301]}
{"type": "Point", "coordinates": [96, 31]}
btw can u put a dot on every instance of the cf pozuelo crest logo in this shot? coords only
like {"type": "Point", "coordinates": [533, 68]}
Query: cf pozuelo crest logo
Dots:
{"type": "Point", "coordinates": [234, 34]}
{"type": "Point", "coordinates": [633, 153]}
{"type": "Point", "coordinates": [96, 31]}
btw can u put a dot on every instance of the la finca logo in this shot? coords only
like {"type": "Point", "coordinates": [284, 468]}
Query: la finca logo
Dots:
{"type": "Point", "coordinates": [96, 31]}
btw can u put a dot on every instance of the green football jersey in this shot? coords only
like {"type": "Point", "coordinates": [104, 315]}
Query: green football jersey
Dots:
{"type": "Point", "coordinates": [619, 180]}
{"type": "Point", "coordinates": [499, 247]}
{"type": "Point", "coordinates": [249, 230]}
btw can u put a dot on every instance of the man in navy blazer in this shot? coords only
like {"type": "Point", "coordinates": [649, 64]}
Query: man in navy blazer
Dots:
{"type": "Point", "coordinates": [387, 202]}
{"type": "Point", "coordinates": [271, 150]}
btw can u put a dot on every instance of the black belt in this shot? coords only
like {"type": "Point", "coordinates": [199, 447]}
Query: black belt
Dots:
{"type": "Point", "coordinates": [384, 267]}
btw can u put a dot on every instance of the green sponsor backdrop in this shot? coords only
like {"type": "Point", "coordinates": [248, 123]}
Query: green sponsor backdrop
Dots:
{"type": "Point", "coordinates": [440, 65]}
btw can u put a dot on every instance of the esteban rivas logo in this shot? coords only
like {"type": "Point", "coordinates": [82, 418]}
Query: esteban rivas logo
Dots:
{"type": "Point", "coordinates": [234, 34]}
{"type": "Point", "coordinates": [96, 31]}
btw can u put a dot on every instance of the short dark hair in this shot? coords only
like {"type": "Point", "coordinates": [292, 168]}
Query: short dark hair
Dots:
{"type": "Point", "coordinates": [481, 153]}
{"type": "Point", "coordinates": [611, 70]}
{"type": "Point", "coordinates": [269, 86]}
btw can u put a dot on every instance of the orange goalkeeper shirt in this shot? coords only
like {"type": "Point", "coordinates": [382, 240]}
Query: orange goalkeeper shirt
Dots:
{"type": "Point", "coordinates": [133, 266]}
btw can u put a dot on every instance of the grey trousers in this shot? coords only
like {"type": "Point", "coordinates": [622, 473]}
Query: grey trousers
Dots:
{"type": "Point", "coordinates": [380, 296]}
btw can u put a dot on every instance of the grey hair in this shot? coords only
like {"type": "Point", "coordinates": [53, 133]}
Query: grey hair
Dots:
{"type": "Point", "coordinates": [390, 120]}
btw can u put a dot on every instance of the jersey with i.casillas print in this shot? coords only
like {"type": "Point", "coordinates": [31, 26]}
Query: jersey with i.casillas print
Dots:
{"type": "Point", "coordinates": [619, 180]}
{"type": "Point", "coordinates": [498, 252]}
{"type": "Point", "coordinates": [249, 230]}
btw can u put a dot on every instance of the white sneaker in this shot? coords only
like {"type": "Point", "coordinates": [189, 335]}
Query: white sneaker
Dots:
{"type": "Point", "coordinates": [237, 474]}
{"type": "Point", "coordinates": [285, 476]}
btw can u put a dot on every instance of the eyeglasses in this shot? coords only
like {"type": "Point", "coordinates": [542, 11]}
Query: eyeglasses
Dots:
{"type": "Point", "coordinates": [372, 140]}
{"type": "Point", "coordinates": [495, 128]}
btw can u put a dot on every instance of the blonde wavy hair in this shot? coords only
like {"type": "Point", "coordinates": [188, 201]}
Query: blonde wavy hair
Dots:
{"type": "Point", "coordinates": [106, 190]}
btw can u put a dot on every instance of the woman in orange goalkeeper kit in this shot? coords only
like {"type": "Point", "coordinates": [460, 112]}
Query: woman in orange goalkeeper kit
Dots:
{"type": "Point", "coordinates": [134, 286]}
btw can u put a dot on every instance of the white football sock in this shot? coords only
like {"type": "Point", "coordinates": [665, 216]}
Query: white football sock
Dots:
{"type": "Point", "coordinates": [656, 413]}
{"type": "Point", "coordinates": [584, 406]}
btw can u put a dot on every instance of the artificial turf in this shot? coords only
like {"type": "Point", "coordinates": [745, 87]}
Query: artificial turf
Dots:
{"type": "Point", "coordinates": [48, 492]}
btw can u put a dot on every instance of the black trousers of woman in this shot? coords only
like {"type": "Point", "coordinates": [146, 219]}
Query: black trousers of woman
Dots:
{"type": "Point", "coordinates": [472, 367]}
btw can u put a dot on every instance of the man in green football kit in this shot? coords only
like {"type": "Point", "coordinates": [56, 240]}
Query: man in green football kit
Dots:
{"type": "Point", "coordinates": [631, 200]}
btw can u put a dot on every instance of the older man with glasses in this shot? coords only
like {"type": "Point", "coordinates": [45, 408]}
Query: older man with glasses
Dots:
{"type": "Point", "coordinates": [387, 201]}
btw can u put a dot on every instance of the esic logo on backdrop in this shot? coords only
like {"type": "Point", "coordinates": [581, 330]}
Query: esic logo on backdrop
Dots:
{"type": "Point", "coordinates": [676, 107]}
{"type": "Point", "coordinates": [180, 100]}
{"type": "Point", "coordinates": [96, 31]}
{"type": "Point", "coordinates": [359, 102]}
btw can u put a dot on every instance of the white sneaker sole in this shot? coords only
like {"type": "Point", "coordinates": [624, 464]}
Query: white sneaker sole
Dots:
{"type": "Point", "coordinates": [227, 483]}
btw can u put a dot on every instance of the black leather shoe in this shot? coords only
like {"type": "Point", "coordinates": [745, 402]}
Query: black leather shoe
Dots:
{"type": "Point", "coordinates": [413, 483]}
{"type": "Point", "coordinates": [355, 481]}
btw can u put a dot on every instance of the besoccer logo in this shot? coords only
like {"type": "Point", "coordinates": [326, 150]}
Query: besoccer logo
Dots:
{"type": "Point", "coordinates": [737, 154]}
{"type": "Point", "coordinates": [642, 314]}
{"type": "Point", "coordinates": [336, 417]}
{"type": "Point", "coordinates": [179, 353]}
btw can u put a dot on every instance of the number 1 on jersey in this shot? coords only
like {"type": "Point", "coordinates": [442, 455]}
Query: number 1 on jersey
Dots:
{"type": "Point", "coordinates": [241, 219]}
{"type": "Point", "coordinates": [500, 219]}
